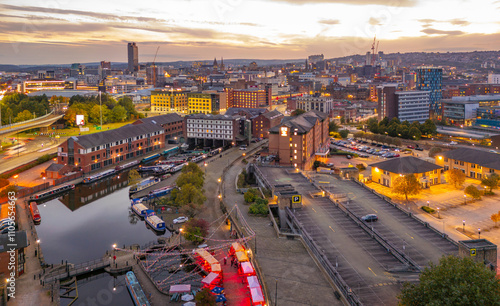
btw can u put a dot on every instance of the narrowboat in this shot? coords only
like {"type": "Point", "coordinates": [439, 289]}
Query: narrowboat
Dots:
{"type": "Point", "coordinates": [150, 181]}
{"type": "Point", "coordinates": [150, 158]}
{"type": "Point", "coordinates": [98, 176]}
{"type": "Point", "coordinates": [135, 290]}
{"type": "Point", "coordinates": [139, 209]}
{"type": "Point", "coordinates": [35, 214]}
{"type": "Point", "coordinates": [127, 165]}
{"type": "Point", "coordinates": [52, 192]}
{"type": "Point", "coordinates": [154, 221]}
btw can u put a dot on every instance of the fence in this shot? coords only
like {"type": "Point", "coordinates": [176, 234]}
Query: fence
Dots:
{"type": "Point", "coordinates": [24, 122]}
{"type": "Point", "coordinates": [27, 191]}
{"type": "Point", "coordinates": [68, 178]}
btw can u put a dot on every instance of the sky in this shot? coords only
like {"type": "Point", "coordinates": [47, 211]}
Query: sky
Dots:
{"type": "Point", "coordinates": [66, 31]}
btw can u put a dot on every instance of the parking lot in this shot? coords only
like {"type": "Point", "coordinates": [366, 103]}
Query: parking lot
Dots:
{"type": "Point", "coordinates": [362, 262]}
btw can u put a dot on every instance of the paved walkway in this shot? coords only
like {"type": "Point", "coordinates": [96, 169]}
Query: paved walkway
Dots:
{"type": "Point", "coordinates": [285, 263]}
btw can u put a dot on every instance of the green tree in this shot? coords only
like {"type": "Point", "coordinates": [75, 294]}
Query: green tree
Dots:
{"type": "Point", "coordinates": [359, 135]}
{"type": "Point", "coordinates": [372, 124]}
{"type": "Point", "coordinates": [428, 128]}
{"type": "Point", "coordinates": [404, 131]}
{"type": "Point", "coordinates": [342, 120]}
{"type": "Point", "coordinates": [344, 133]}
{"type": "Point", "coordinates": [434, 151]}
{"type": "Point", "coordinates": [455, 177]}
{"type": "Point", "coordinates": [129, 106]}
{"type": "Point", "coordinates": [406, 185]}
{"type": "Point", "coordinates": [259, 207]}
{"type": "Point", "coordinates": [133, 177]}
{"type": "Point", "coordinates": [205, 298]}
{"type": "Point", "coordinates": [333, 126]}
{"type": "Point", "coordinates": [192, 167]}
{"type": "Point", "coordinates": [23, 116]}
{"type": "Point", "coordinates": [190, 194]}
{"type": "Point", "coordinates": [396, 142]}
{"type": "Point", "coordinates": [454, 281]}
{"type": "Point", "coordinates": [491, 182]}
{"type": "Point", "coordinates": [392, 129]}
{"type": "Point", "coordinates": [249, 196]}
{"type": "Point", "coordinates": [193, 178]}
{"type": "Point", "coordinates": [495, 218]}
{"type": "Point", "coordinates": [119, 114]}
{"type": "Point", "coordinates": [473, 192]}
{"type": "Point", "coordinates": [414, 133]}
{"type": "Point", "coordinates": [297, 112]}
{"type": "Point", "coordinates": [196, 230]}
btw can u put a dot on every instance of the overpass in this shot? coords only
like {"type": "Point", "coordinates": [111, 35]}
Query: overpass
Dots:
{"type": "Point", "coordinates": [42, 121]}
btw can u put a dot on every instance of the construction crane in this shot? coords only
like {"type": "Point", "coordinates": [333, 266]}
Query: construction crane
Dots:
{"type": "Point", "coordinates": [373, 49]}
{"type": "Point", "coordinates": [154, 67]}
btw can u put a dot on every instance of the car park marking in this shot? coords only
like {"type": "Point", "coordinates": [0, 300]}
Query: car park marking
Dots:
{"type": "Point", "coordinates": [314, 209]}
{"type": "Point", "coordinates": [410, 236]}
{"type": "Point", "coordinates": [321, 182]}
{"type": "Point", "coordinates": [332, 229]}
{"type": "Point", "coordinates": [372, 271]}
{"type": "Point", "coordinates": [375, 210]}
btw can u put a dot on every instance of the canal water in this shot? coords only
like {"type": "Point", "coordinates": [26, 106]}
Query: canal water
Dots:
{"type": "Point", "coordinates": [84, 223]}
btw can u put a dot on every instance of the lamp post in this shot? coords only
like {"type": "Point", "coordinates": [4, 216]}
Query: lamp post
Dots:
{"type": "Point", "coordinates": [463, 226]}
{"type": "Point", "coordinates": [205, 163]}
{"type": "Point", "coordinates": [428, 204]}
{"type": "Point", "coordinates": [38, 247]}
{"type": "Point", "coordinates": [438, 213]}
{"type": "Point", "coordinates": [479, 231]}
{"type": "Point", "coordinates": [180, 238]}
{"type": "Point", "coordinates": [465, 199]}
{"type": "Point", "coordinates": [276, 294]}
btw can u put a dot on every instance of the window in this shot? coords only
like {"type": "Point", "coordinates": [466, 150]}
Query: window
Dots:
{"type": "Point", "coordinates": [473, 166]}
{"type": "Point", "coordinates": [461, 163]}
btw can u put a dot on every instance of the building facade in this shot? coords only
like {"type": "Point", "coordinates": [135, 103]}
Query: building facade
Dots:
{"type": "Point", "coordinates": [95, 151]}
{"type": "Point", "coordinates": [214, 130]}
{"type": "Point", "coordinates": [476, 164]}
{"type": "Point", "coordinates": [413, 105]}
{"type": "Point", "coordinates": [488, 117]}
{"type": "Point", "coordinates": [430, 79]}
{"type": "Point", "coordinates": [133, 57]}
{"type": "Point", "coordinates": [203, 103]}
{"type": "Point", "coordinates": [250, 98]}
{"type": "Point", "coordinates": [321, 104]}
{"type": "Point", "coordinates": [386, 172]}
{"type": "Point", "coordinates": [299, 141]}
{"type": "Point", "coordinates": [459, 113]}
{"type": "Point", "coordinates": [262, 123]}
{"type": "Point", "coordinates": [172, 125]}
{"type": "Point", "coordinates": [387, 106]}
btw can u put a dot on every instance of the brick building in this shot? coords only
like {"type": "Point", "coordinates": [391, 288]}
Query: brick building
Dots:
{"type": "Point", "coordinates": [265, 121]}
{"type": "Point", "coordinates": [171, 124]}
{"type": "Point", "coordinates": [299, 141]}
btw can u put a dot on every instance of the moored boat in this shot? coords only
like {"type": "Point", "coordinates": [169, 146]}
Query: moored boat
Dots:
{"type": "Point", "coordinates": [135, 290]}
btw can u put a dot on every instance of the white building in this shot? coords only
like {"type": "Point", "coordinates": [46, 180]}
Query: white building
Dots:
{"type": "Point", "coordinates": [413, 105]}
{"type": "Point", "coordinates": [493, 78]}
{"type": "Point", "coordinates": [308, 103]}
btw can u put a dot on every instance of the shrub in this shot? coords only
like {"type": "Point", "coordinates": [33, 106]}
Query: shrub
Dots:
{"type": "Point", "coordinates": [361, 167]}
{"type": "Point", "coordinates": [427, 209]}
{"type": "Point", "coordinates": [43, 158]}
{"type": "Point", "coordinates": [249, 197]}
{"type": "Point", "coordinates": [258, 208]}
{"type": "Point", "coordinates": [473, 192]}
{"type": "Point", "coordinates": [434, 151]}
{"type": "Point", "coordinates": [344, 133]}
{"type": "Point", "coordinates": [196, 229]}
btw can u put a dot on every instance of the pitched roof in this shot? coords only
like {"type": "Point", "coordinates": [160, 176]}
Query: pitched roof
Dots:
{"type": "Point", "coordinates": [482, 158]}
{"type": "Point", "coordinates": [54, 167]}
{"type": "Point", "coordinates": [127, 131]}
{"type": "Point", "coordinates": [253, 112]}
{"type": "Point", "coordinates": [272, 114]}
{"type": "Point", "coordinates": [302, 123]}
{"type": "Point", "coordinates": [406, 165]}
{"type": "Point", "coordinates": [162, 119]}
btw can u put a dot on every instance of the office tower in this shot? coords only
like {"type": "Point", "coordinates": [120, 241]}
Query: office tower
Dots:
{"type": "Point", "coordinates": [133, 57]}
{"type": "Point", "coordinates": [430, 79]}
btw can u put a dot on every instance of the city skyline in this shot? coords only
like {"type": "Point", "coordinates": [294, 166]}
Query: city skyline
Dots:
{"type": "Point", "coordinates": [64, 32]}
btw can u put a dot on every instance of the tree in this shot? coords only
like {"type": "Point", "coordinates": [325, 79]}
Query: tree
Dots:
{"type": "Point", "coordinates": [249, 196]}
{"type": "Point", "coordinates": [192, 167]}
{"type": "Point", "coordinates": [406, 185]}
{"type": "Point", "coordinates": [473, 192]}
{"type": "Point", "coordinates": [205, 298]}
{"type": "Point", "coordinates": [454, 281]}
{"type": "Point", "coordinates": [455, 177]}
{"type": "Point", "coordinates": [396, 142]}
{"type": "Point", "coordinates": [491, 182]}
{"type": "Point", "coordinates": [133, 177]}
{"type": "Point", "coordinates": [193, 178]}
{"type": "Point", "coordinates": [119, 114]}
{"type": "Point", "coordinates": [23, 116]}
{"type": "Point", "coordinates": [95, 114]}
{"type": "Point", "coordinates": [428, 128]}
{"type": "Point", "coordinates": [297, 112]}
{"type": "Point", "coordinates": [372, 124]}
{"type": "Point", "coordinates": [495, 218]}
{"type": "Point", "coordinates": [344, 133]}
{"type": "Point", "coordinates": [434, 151]}
{"type": "Point", "coordinates": [333, 126]}
{"type": "Point", "coordinates": [342, 120]}
{"type": "Point", "coordinates": [359, 135]}
{"type": "Point", "coordinates": [196, 230]}
{"type": "Point", "coordinates": [259, 207]}
{"type": "Point", "coordinates": [414, 133]}
{"type": "Point", "coordinates": [190, 194]}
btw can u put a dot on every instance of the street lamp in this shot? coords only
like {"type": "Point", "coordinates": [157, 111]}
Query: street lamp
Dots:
{"type": "Point", "coordinates": [465, 199]}
{"type": "Point", "coordinates": [479, 231]}
{"type": "Point", "coordinates": [463, 226]}
{"type": "Point", "coordinates": [205, 168]}
{"type": "Point", "coordinates": [428, 205]}
{"type": "Point", "coordinates": [38, 247]}
{"type": "Point", "coordinates": [180, 239]}
{"type": "Point", "coordinates": [438, 213]}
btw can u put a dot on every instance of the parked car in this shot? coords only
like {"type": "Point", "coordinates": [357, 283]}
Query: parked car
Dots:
{"type": "Point", "coordinates": [410, 147]}
{"type": "Point", "coordinates": [243, 147]}
{"type": "Point", "coordinates": [330, 165]}
{"type": "Point", "coordinates": [370, 218]}
{"type": "Point", "coordinates": [180, 220]}
{"type": "Point", "coordinates": [419, 149]}
{"type": "Point", "coordinates": [348, 156]}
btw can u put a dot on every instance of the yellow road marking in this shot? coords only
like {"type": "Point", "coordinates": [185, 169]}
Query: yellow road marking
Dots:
{"type": "Point", "coordinates": [372, 271]}
{"type": "Point", "coordinates": [410, 236]}
{"type": "Point", "coordinates": [375, 210]}
{"type": "Point", "coordinates": [332, 229]}
{"type": "Point", "coordinates": [323, 182]}
{"type": "Point", "coordinates": [314, 210]}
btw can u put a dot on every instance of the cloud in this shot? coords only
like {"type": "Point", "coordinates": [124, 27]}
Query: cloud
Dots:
{"type": "Point", "coordinates": [329, 21]}
{"type": "Point", "coordinates": [397, 3]}
{"type": "Point", "coordinates": [374, 21]}
{"type": "Point", "coordinates": [430, 31]}
{"type": "Point", "coordinates": [456, 21]}
{"type": "Point", "coordinates": [459, 22]}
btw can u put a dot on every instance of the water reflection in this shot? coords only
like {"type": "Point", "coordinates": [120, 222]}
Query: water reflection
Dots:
{"type": "Point", "coordinates": [83, 224]}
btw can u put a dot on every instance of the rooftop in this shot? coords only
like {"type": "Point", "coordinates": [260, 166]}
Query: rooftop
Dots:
{"type": "Point", "coordinates": [301, 124]}
{"type": "Point", "coordinates": [162, 119]}
{"type": "Point", "coordinates": [477, 243]}
{"type": "Point", "coordinates": [406, 165]}
{"type": "Point", "coordinates": [111, 136]}
{"type": "Point", "coordinates": [482, 158]}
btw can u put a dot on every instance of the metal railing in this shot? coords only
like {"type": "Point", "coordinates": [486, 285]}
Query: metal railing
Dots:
{"type": "Point", "coordinates": [24, 122]}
